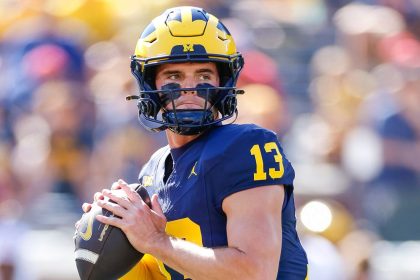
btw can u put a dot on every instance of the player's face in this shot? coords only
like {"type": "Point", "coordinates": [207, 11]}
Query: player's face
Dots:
{"type": "Point", "coordinates": [187, 75]}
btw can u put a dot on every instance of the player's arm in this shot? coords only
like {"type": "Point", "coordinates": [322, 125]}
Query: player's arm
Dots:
{"type": "Point", "coordinates": [253, 229]}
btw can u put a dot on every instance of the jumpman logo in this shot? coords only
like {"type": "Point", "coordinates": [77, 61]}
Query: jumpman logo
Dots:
{"type": "Point", "coordinates": [193, 171]}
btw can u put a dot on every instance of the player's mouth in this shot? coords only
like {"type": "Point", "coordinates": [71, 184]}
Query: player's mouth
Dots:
{"type": "Point", "coordinates": [190, 102]}
{"type": "Point", "coordinates": [189, 105]}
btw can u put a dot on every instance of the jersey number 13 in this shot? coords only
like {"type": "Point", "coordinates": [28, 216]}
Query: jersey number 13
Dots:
{"type": "Point", "coordinates": [260, 172]}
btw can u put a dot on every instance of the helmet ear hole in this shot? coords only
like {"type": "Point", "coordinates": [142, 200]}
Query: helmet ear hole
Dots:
{"type": "Point", "coordinates": [148, 107]}
{"type": "Point", "coordinates": [145, 108]}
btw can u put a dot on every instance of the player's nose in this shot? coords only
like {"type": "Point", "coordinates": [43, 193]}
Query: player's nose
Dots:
{"type": "Point", "coordinates": [189, 83]}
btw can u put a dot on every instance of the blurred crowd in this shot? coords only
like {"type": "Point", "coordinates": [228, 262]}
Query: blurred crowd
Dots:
{"type": "Point", "coordinates": [338, 80]}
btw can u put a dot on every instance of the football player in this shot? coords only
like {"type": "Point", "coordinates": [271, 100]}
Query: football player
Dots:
{"type": "Point", "coordinates": [223, 205]}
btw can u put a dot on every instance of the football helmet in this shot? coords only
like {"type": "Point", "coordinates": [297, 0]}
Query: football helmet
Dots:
{"type": "Point", "coordinates": [185, 34]}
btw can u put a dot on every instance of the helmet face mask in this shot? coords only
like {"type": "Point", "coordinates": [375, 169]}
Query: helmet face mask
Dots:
{"type": "Point", "coordinates": [217, 101]}
{"type": "Point", "coordinates": [185, 35]}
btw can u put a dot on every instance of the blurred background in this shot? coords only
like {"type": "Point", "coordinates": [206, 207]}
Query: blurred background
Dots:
{"type": "Point", "coordinates": [338, 80]}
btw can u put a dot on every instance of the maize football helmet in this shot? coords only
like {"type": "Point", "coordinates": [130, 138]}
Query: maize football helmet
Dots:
{"type": "Point", "coordinates": [185, 34]}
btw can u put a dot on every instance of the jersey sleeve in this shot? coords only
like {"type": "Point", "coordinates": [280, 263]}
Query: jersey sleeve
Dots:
{"type": "Point", "coordinates": [255, 158]}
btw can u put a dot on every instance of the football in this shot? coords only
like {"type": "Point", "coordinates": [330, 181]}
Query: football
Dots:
{"type": "Point", "coordinates": [102, 251]}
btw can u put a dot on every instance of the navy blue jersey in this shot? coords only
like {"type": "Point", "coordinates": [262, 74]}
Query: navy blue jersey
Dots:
{"type": "Point", "coordinates": [224, 160]}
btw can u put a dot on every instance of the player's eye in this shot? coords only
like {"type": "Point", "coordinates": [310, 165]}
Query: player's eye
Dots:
{"type": "Point", "coordinates": [205, 77]}
{"type": "Point", "coordinates": [173, 77]}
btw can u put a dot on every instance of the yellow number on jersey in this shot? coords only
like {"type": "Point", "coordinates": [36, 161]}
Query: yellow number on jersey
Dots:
{"type": "Point", "coordinates": [185, 229]}
{"type": "Point", "coordinates": [274, 173]}
{"type": "Point", "coordinates": [259, 173]}
{"type": "Point", "coordinates": [150, 267]}
{"type": "Point", "coordinates": [146, 269]}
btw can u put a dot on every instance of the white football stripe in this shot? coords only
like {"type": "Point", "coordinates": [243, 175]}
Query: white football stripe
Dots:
{"type": "Point", "coordinates": [86, 255]}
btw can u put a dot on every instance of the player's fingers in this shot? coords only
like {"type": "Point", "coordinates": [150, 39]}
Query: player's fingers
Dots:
{"type": "Point", "coordinates": [113, 221]}
{"type": "Point", "coordinates": [122, 182]}
{"type": "Point", "coordinates": [98, 196]}
{"type": "Point", "coordinates": [77, 224]}
{"type": "Point", "coordinates": [122, 201]}
{"type": "Point", "coordinates": [116, 209]}
{"type": "Point", "coordinates": [156, 205]}
{"type": "Point", "coordinates": [115, 186]}
{"type": "Point", "coordinates": [132, 195]}
{"type": "Point", "coordinates": [86, 207]}
{"type": "Point", "coordinates": [159, 218]}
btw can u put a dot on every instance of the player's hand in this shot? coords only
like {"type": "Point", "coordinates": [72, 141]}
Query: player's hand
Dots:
{"type": "Point", "coordinates": [144, 227]}
{"type": "Point", "coordinates": [87, 206]}
{"type": "Point", "coordinates": [97, 196]}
